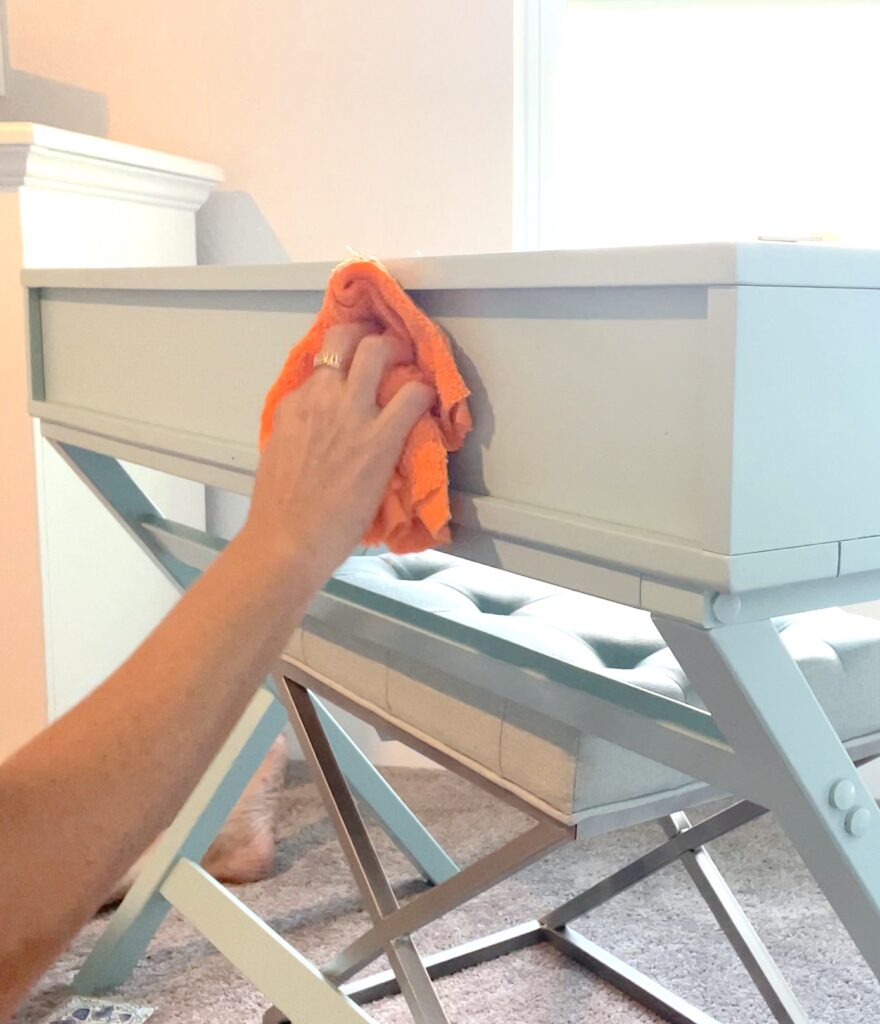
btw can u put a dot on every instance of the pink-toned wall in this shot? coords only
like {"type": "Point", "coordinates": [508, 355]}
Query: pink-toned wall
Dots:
{"type": "Point", "coordinates": [21, 635]}
{"type": "Point", "coordinates": [386, 125]}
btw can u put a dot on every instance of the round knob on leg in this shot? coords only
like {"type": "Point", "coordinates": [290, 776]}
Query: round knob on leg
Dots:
{"type": "Point", "coordinates": [858, 821]}
{"type": "Point", "coordinates": [842, 795]}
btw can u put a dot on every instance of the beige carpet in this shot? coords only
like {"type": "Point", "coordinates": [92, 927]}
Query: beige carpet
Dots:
{"type": "Point", "coordinates": [661, 926]}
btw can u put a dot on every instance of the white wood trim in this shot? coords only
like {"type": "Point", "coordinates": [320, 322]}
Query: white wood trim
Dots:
{"type": "Point", "coordinates": [537, 27]}
{"type": "Point", "coordinates": [39, 156]}
{"type": "Point", "coordinates": [83, 201]}
{"type": "Point", "coordinates": [59, 139]}
{"type": "Point", "coordinates": [526, 123]}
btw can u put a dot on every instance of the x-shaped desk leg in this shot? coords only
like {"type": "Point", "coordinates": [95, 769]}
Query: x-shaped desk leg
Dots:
{"type": "Point", "coordinates": [142, 911]}
{"type": "Point", "coordinates": [771, 717]}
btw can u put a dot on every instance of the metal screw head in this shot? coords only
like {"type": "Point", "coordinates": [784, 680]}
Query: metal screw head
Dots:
{"type": "Point", "coordinates": [842, 795]}
{"type": "Point", "coordinates": [858, 821]}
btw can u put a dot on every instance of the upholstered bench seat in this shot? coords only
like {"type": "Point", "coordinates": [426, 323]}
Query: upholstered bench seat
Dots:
{"type": "Point", "coordinates": [547, 762]}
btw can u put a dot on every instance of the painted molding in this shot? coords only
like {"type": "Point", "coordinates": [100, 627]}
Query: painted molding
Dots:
{"type": "Point", "coordinates": [38, 156]}
{"type": "Point", "coordinates": [69, 199]}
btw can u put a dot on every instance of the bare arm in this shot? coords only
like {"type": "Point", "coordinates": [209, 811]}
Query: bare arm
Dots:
{"type": "Point", "coordinates": [74, 810]}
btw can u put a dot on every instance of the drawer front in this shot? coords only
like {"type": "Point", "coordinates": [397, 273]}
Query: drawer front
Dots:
{"type": "Point", "coordinates": [604, 404]}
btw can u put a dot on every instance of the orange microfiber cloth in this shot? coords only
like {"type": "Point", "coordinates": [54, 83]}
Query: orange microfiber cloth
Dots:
{"type": "Point", "coordinates": [414, 513]}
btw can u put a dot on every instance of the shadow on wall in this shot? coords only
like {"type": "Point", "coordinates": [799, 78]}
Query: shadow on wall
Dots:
{"type": "Point", "coordinates": [231, 228]}
{"type": "Point", "coordinates": [43, 101]}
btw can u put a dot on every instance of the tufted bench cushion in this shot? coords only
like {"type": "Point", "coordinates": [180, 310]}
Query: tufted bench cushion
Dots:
{"type": "Point", "coordinates": [544, 760]}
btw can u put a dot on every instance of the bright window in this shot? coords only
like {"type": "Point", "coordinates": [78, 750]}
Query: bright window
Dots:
{"type": "Point", "coordinates": [667, 121]}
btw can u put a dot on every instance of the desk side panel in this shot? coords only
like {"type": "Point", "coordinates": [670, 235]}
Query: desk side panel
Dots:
{"type": "Point", "coordinates": [806, 422]}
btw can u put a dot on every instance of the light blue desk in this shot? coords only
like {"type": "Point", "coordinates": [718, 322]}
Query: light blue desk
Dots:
{"type": "Point", "coordinates": [689, 430]}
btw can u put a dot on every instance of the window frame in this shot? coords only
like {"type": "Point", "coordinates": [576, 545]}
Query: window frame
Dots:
{"type": "Point", "coordinates": [537, 27]}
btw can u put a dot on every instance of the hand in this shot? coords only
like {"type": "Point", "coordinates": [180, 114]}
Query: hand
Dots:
{"type": "Point", "coordinates": [332, 452]}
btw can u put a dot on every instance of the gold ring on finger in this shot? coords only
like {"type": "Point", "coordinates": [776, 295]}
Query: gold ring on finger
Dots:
{"type": "Point", "coordinates": [331, 359]}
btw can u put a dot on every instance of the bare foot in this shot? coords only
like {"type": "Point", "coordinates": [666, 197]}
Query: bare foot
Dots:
{"type": "Point", "coordinates": [244, 850]}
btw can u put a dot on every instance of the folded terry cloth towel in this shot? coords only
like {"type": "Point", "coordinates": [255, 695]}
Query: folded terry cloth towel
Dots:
{"type": "Point", "coordinates": [414, 513]}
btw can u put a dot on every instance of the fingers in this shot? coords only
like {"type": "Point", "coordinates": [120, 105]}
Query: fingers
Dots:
{"type": "Point", "coordinates": [402, 413]}
{"type": "Point", "coordinates": [373, 356]}
{"type": "Point", "coordinates": [342, 340]}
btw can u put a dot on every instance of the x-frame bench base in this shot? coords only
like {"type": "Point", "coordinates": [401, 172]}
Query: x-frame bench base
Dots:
{"type": "Point", "coordinates": [393, 925]}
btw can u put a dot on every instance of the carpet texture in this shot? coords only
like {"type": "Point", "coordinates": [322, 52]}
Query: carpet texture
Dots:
{"type": "Point", "coordinates": [661, 926]}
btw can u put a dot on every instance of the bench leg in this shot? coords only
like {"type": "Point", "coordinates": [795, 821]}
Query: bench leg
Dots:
{"type": "Point", "coordinates": [394, 816]}
{"type": "Point", "coordinates": [739, 930]}
{"type": "Point", "coordinates": [392, 924]}
{"type": "Point", "coordinates": [771, 717]}
{"type": "Point", "coordinates": [362, 857]}
{"type": "Point", "coordinates": [686, 844]}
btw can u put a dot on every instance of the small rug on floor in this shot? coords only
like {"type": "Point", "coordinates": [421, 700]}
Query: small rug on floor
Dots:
{"type": "Point", "coordinates": [661, 926]}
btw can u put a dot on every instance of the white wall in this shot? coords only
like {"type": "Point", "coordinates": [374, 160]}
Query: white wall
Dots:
{"type": "Point", "coordinates": [385, 126]}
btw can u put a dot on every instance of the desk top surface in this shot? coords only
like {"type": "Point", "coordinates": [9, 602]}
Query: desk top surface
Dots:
{"type": "Point", "coordinates": [720, 264]}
